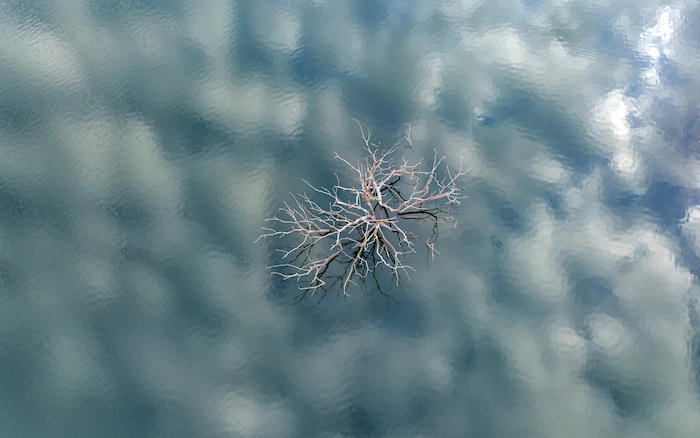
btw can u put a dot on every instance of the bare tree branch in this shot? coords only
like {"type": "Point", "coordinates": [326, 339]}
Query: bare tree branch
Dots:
{"type": "Point", "coordinates": [361, 229]}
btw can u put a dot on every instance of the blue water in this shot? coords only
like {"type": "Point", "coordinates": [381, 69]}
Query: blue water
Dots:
{"type": "Point", "coordinates": [143, 144]}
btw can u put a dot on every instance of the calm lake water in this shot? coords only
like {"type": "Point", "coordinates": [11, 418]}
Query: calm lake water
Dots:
{"type": "Point", "coordinates": [143, 143]}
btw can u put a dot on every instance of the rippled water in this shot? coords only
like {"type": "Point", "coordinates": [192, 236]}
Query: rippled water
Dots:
{"type": "Point", "coordinates": [143, 143]}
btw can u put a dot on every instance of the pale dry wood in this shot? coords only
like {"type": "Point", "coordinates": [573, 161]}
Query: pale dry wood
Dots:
{"type": "Point", "coordinates": [361, 228]}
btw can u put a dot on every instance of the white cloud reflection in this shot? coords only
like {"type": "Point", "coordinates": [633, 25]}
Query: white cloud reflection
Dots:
{"type": "Point", "coordinates": [142, 149]}
{"type": "Point", "coordinates": [654, 43]}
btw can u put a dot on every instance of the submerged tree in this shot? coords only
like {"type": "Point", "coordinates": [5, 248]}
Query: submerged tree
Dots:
{"type": "Point", "coordinates": [360, 228]}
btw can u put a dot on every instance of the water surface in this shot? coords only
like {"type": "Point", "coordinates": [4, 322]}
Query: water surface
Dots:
{"type": "Point", "coordinates": [143, 143]}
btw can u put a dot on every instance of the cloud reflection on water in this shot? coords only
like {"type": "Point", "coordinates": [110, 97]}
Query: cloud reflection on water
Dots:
{"type": "Point", "coordinates": [144, 144]}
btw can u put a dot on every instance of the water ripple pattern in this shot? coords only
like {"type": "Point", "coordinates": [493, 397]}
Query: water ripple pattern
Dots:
{"type": "Point", "coordinates": [143, 143]}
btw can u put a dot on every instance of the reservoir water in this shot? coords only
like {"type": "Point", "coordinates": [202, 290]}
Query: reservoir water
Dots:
{"type": "Point", "coordinates": [143, 144]}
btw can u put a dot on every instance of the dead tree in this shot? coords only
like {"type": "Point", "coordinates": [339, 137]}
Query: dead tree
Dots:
{"type": "Point", "coordinates": [354, 230]}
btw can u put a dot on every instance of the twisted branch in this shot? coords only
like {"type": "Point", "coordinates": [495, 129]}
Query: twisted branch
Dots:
{"type": "Point", "coordinates": [361, 229]}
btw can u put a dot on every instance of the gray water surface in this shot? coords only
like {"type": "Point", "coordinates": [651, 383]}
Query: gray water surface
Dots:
{"type": "Point", "coordinates": [143, 143]}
